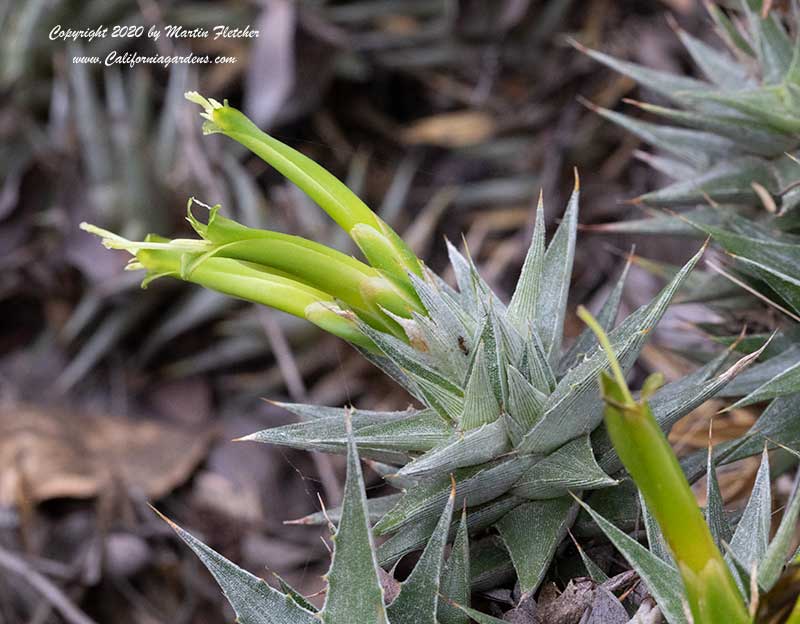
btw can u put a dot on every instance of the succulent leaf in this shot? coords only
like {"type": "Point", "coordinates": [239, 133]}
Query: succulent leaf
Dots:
{"type": "Point", "coordinates": [522, 309]}
{"type": "Point", "coordinates": [376, 508]}
{"type": "Point", "coordinates": [535, 364]}
{"type": "Point", "coordinates": [572, 409]}
{"type": "Point", "coordinates": [456, 580]}
{"type": "Point", "coordinates": [772, 43]}
{"type": "Point", "coordinates": [414, 536]}
{"type": "Point", "coordinates": [718, 66]}
{"type": "Point", "coordinates": [777, 424]}
{"type": "Point", "coordinates": [571, 467]}
{"type": "Point", "coordinates": [252, 599]}
{"type": "Point", "coordinates": [525, 405]}
{"type": "Point", "coordinates": [354, 592]}
{"type": "Point", "coordinates": [530, 551]}
{"type": "Point", "coordinates": [476, 484]}
{"type": "Point", "coordinates": [380, 435]}
{"type": "Point", "coordinates": [586, 342]}
{"type": "Point", "coordinates": [480, 404]}
{"type": "Point", "coordinates": [655, 538]}
{"type": "Point", "coordinates": [292, 593]}
{"type": "Point", "coordinates": [495, 357]}
{"type": "Point", "coordinates": [354, 589]}
{"type": "Point", "coordinates": [664, 83]}
{"type": "Point", "coordinates": [418, 600]}
{"type": "Point", "coordinates": [463, 272]}
{"type": "Point", "coordinates": [594, 571]}
{"type": "Point", "coordinates": [775, 558]}
{"type": "Point", "coordinates": [443, 395]}
{"type": "Point", "coordinates": [715, 512]}
{"type": "Point", "coordinates": [490, 564]}
{"type": "Point", "coordinates": [551, 302]}
{"type": "Point", "coordinates": [662, 580]}
{"type": "Point", "coordinates": [786, 382]}
{"type": "Point", "coordinates": [749, 136]}
{"type": "Point", "coordinates": [749, 103]}
{"type": "Point", "coordinates": [696, 148]}
{"type": "Point", "coordinates": [751, 537]}
{"type": "Point", "coordinates": [761, 373]}
{"type": "Point", "coordinates": [473, 447]}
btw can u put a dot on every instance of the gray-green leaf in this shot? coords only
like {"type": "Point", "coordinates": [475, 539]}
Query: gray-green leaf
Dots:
{"type": "Point", "coordinates": [662, 580]}
{"type": "Point", "coordinates": [532, 532]}
{"type": "Point", "coordinates": [419, 594]}
{"type": "Point", "coordinates": [354, 593]}
{"type": "Point", "coordinates": [252, 599]}
{"type": "Point", "coordinates": [456, 578]}
{"type": "Point", "coordinates": [751, 537]}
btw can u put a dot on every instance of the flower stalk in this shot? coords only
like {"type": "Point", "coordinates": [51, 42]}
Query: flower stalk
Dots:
{"type": "Point", "coordinates": [711, 591]}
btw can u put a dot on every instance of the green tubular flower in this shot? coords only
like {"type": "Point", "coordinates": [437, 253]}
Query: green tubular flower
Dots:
{"type": "Point", "coordinates": [359, 285]}
{"type": "Point", "coordinates": [325, 189]}
{"type": "Point", "coordinates": [644, 450]}
{"type": "Point", "coordinates": [380, 294]}
{"type": "Point", "coordinates": [190, 260]}
{"type": "Point", "coordinates": [380, 252]}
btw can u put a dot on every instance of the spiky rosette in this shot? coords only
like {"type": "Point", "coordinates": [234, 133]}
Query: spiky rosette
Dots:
{"type": "Point", "coordinates": [728, 137]}
{"type": "Point", "coordinates": [731, 143]}
{"type": "Point", "coordinates": [505, 410]}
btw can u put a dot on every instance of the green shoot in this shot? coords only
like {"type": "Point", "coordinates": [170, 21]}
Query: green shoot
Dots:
{"type": "Point", "coordinates": [711, 592]}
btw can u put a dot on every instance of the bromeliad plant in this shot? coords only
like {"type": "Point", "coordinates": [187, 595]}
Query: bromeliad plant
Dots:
{"type": "Point", "coordinates": [756, 581]}
{"type": "Point", "coordinates": [507, 412]}
{"type": "Point", "coordinates": [732, 140]}
{"type": "Point", "coordinates": [733, 130]}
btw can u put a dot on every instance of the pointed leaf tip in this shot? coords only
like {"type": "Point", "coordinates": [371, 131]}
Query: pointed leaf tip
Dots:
{"type": "Point", "coordinates": [171, 524]}
{"type": "Point", "coordinates": [252, 599]}
{"type": "Point", "coordinates": [577, 45]}
{"type": "Point", "coordinates": [354, 593]}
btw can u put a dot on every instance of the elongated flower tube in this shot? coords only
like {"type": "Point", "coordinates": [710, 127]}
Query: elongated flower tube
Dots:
{"type": "Point", "coordinates": [646, 454]}
{"type": "Point", "coordinates": [191, 260]}
{"type": "Point", "coordinates": [362, 288]}
{"type": "Point", "coordinates": [341, 204]}
{"type": "Point", "coordinates": [359, 285]}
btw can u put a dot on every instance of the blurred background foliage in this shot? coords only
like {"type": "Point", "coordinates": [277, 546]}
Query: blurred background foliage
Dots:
{"type": "Point", "coordinates": [447, 116]}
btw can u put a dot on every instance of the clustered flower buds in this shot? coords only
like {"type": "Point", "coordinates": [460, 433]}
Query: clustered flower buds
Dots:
{"type": "Point", "coordinates": [290, 273]}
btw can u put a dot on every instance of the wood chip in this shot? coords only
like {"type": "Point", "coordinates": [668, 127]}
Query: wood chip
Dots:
{"type": "Point", "coordinates": [456, 129]}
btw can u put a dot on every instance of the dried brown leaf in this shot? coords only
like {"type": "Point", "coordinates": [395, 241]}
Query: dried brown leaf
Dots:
{"type": "Point", "coordinates": [456, 129]}
{"type": "Point", "coordinates": [48, 453]}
